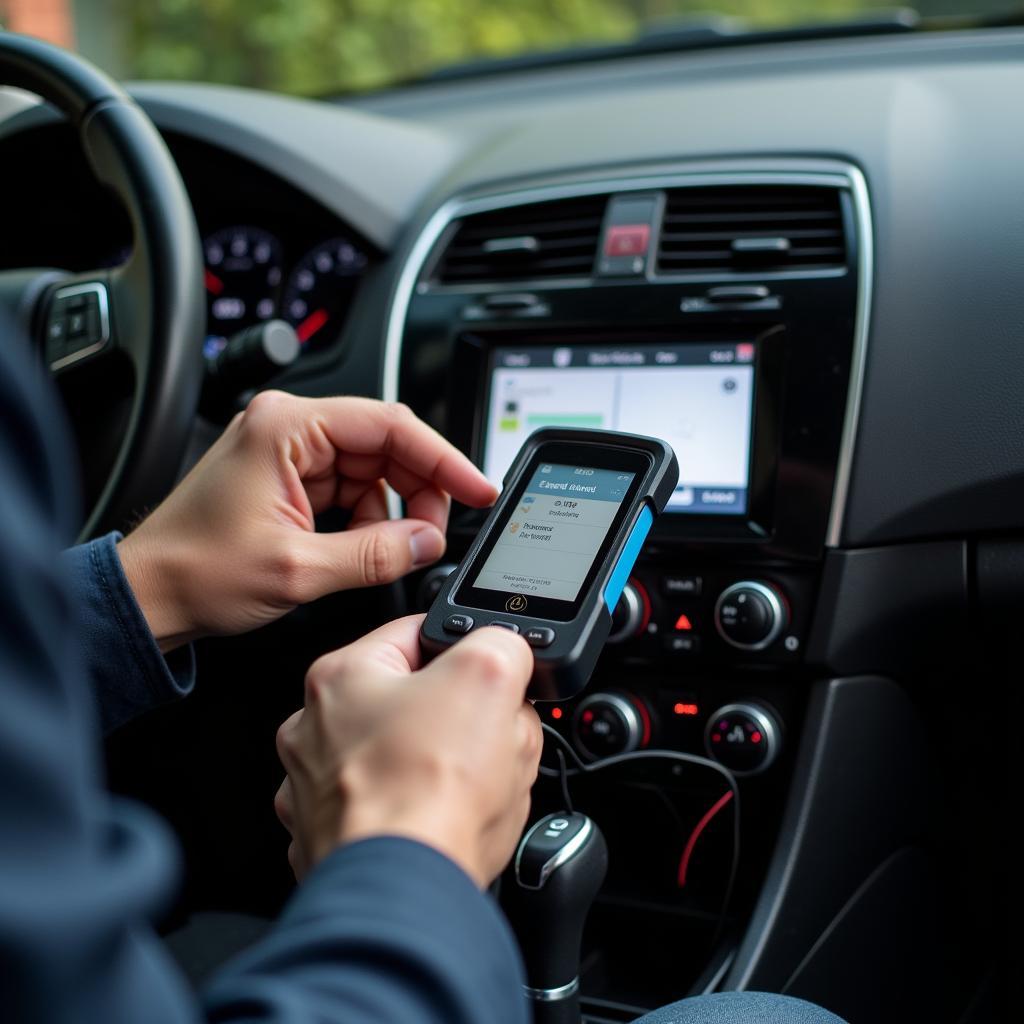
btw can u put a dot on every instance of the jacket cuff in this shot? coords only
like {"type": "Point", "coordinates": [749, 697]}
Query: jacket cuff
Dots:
{"type": "Point", "coordinates": [128, 671]}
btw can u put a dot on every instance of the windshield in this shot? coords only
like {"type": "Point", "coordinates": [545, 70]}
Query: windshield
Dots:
{"type": "Point", "coordinates": [323, 47]}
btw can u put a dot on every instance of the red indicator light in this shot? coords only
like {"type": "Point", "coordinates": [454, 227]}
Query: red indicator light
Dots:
{"type": "Point", "coordinates": [716, 737]}
{"type": "Point", "coordinates": [214, 285]}
{"type": "Point", "coordinates": [755, 737]}
{"type": "Point", "coordinates": [556, 713]}
{"type": "Point", "coordinates": [685, 709]}
{"type": "Point", "coordinates": [683, 623]}
{"type": "Point", "coordinates": [588, 716]}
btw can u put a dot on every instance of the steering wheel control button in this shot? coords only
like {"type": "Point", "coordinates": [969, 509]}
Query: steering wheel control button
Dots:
{"type": "Point", "coordinates": [682, 586]}
{"type": "Point", "coordinates": [539, 636]}
{"type": "Point", "coordinates": [607, 724]}
{"type": "Point", "coordinates": [743, 737]}
{"type": "Point", "coordinates": [458, 623]}
{"type": "Point", "coordinates": [510, 626]}
{"type": "Point", "coordinates": [750, 615]}
{"type": "Point", "coordinates": [516, 603]}
{"type": "Point", "coordinates": [78, 324]}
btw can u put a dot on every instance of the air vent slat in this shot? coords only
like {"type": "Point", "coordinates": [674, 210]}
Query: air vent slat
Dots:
{"type": "Point", "coordinates": [563, 236]}
{"type": "Point", "coordinates": [718, 229]}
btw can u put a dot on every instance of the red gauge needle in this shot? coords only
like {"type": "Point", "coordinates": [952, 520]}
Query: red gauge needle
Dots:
{"type": "Point", "coordinates": [311, 325]}
{"type": "Point", "coordinates": [214, 285]}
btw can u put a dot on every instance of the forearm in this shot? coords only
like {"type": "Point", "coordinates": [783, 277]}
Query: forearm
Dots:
{"type": "Point", "coordinates": [385, 931]}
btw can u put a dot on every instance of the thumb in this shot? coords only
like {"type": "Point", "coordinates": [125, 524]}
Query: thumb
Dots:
{"type": "Point", "coordinates": [370, 555]}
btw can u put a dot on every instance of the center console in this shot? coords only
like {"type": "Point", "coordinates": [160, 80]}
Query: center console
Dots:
{"type": "Point", "coordinates": [723, 309]}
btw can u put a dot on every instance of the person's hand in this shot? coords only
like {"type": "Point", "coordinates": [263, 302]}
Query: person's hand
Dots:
{"type": "Point", "coordinates": [444, 754]}
{"type": "Point", "coordinates": [234, 547]}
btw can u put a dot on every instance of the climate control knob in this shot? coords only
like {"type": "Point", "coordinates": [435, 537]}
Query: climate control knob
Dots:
{"type": "Point", "coordinates": [750, 615]}
{"type": "Point", "coordinates": [607, 724]}
{"type": "Point", "coordinates": [631, 615]}
{"type": "Point", "coordinates": [746, 738]}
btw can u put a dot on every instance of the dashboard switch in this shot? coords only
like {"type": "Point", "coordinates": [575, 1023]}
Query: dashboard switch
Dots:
{"type": "Point", "coordinates": [682, 643]}
{"type": "Point", "coordinates": [744, 737]}
{"type": "Point", "coordinates": [750, 615]}
{"type": "Point", "coordinates": [682, 586]}
{"type": "Point", "coordinates": [607, 724]}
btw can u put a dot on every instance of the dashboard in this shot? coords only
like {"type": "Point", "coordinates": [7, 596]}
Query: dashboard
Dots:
{"type": "Point", "coordinates": [800, 264]}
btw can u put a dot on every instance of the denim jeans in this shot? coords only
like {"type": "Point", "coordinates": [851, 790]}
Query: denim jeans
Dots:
{"type": "Point", "coordinates": [741, 1008]}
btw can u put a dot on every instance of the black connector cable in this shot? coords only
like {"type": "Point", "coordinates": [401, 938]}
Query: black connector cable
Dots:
{"type": "Point", "coordinates": [563, 773]}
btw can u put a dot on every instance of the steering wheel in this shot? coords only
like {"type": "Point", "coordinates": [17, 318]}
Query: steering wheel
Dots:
{"type": "Point", "coordinates": [124, 344]}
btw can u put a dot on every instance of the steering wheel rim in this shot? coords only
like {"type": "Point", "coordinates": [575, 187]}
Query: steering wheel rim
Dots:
{"type": "Point", "coordinates": [155, 306]}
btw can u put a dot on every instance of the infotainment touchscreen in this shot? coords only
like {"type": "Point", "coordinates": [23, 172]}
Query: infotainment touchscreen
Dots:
{"type": "Point", "coordinates": [697, 397]}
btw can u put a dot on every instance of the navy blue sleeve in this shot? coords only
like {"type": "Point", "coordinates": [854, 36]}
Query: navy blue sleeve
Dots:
{"type": "Point", "coordinates": [386, 930]}
{"type": "Point", "coordinates": [128, 672]}
{"type": "Point", "coordinates": [80, 873]}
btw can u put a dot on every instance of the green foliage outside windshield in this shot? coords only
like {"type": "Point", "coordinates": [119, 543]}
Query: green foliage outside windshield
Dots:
{"type": "Point", "coordinates": [324, 46]}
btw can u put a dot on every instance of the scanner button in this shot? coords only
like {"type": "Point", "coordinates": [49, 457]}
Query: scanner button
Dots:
{"type": "Point", "coordinates": [458, 624]}
{"type": "Point", "coordinates": [539, 636]}
{"type": "Point", "coordinates": [511, 626]}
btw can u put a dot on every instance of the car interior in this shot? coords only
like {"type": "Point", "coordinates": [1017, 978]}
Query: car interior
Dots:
{"type": "Point", "coordinates": [797, 257]}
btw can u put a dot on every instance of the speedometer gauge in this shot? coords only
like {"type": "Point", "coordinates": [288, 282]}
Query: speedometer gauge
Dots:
{"type": "Point", "coordinates": [243, 275]}
{"type": "Point", "coordinates": [320, 288]}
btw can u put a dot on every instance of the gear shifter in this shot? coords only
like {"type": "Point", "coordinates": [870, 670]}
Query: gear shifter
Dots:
{"type": "Point", "coordinates": [546, 893]}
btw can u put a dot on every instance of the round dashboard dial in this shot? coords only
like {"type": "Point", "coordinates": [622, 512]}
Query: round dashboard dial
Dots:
{"type": "Point", "coordinates": [243, 275]}
{"type": "Point", "coordinates": [320, 288]}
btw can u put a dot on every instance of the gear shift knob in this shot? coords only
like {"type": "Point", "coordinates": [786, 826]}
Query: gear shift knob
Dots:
{"type": "Point", "coordinates": [547, 892]}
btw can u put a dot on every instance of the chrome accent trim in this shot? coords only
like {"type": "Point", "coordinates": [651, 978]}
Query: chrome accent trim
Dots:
{"type": "Point", "coordinates": [552, 995]}
{"type": "Point", "coordinates": [778, 610]}
{"type": "Point", "coordinates": [100, 290]}
{"type": "Point", "coordinates": [837, 174]}
{"type": "Point", "coordinates": [768, 728]}
{"type": "Point", "coordinates": [634, 726]}
{"type": "Point", "coordinates": [565, 854]}
{"type": "Point", "coordinates": [859, 356]}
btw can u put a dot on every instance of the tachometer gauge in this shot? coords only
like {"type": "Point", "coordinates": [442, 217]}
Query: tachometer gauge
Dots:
{"type": "Point", "coordinates": [320, 288]}
{"type": "Point", "coordinates": [243, 275]}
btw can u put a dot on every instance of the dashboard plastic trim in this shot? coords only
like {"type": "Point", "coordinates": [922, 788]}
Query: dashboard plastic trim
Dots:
{"type": "Point", "coordinates": [835, 173]}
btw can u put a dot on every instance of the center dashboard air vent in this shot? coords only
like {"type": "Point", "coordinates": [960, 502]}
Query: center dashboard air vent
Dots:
{"type": "Point", "coordinates": [751, 228]}
{"type": "Point", "coordinates": [558, 238]}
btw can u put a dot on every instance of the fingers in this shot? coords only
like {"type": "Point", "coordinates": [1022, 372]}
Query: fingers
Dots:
{"type": "Point", "coordinates": [494, 660]}
{"type": "Point", "coordinates": [394, 648]}
{"type": "Point", "coordinates": [284, 804]}
{"type": "Point", "coordinates": [531, 738]}
{"type": "Point", "coordinates": [375, 553]}
{"type": "Point", "coordinates": [363, 427]}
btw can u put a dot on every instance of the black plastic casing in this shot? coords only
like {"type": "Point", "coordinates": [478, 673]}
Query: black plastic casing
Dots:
{"type": "Point", "coordinates": [563, 669]}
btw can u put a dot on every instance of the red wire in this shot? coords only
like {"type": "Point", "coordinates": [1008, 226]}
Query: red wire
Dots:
{"type": "Point", "coordinates": [684, 861]}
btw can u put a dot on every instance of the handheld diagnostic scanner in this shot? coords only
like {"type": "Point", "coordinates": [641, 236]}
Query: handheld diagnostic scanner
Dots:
{"type": "Point", "coordinates": [557, 549]}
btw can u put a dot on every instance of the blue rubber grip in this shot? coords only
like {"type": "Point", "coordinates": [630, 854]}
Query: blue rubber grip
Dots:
{"type": "Point", "coordinates": [620, 574]}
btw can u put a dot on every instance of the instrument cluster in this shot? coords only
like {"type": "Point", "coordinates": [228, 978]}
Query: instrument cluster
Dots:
{"type": "Point", "coordinates": [249, 278]}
